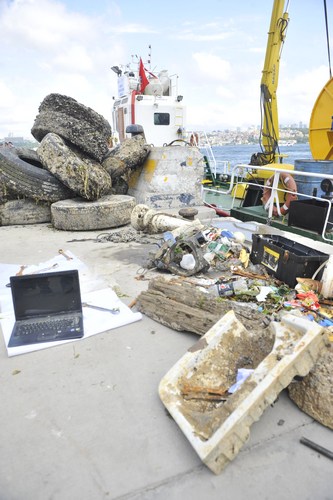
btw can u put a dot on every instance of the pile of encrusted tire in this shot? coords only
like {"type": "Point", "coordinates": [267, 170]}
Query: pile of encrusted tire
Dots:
{"type": "Point", "coordinates": [73, 179]}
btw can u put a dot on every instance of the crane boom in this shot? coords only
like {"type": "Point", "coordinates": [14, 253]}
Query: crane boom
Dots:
{"type": "Point", "coordinates": [269, 135]}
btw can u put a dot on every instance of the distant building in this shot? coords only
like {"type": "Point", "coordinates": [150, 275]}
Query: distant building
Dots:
{"type": "Point", "coordinates": [13, 139]}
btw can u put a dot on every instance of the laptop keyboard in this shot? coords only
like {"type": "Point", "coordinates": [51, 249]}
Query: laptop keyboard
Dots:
{"type": "Point", "coordinates": [49, 329]}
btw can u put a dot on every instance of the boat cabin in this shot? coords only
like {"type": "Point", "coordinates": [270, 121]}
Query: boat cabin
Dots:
{"type": "Point", "coordinates": [150, 101]}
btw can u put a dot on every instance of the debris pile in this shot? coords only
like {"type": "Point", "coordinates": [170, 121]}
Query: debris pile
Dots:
{"type": "Point", "coordinates": [199, 390]}
{"type": "Point", "coordinates": [187, 251]}
{"type": "Point", "coordinates": [215, 274]}
{"type": "Point", "coordinates": [72, 161]}
{"type": "Point", "coordinates": [190, 251]}
{"type": "Point", "coordinates": [185, 304]}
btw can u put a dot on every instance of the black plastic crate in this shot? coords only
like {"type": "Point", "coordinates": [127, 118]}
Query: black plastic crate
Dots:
{"type": "Point", "coordinates": [285, 259]}
{"type": "Point", "coordinates": [309, 214]}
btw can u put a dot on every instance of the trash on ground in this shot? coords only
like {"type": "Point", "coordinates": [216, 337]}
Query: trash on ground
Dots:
{"type": "Point", "coordinates": [185, 304]}
{"type": "Point", "coordinates": [191, 249]}
{"type": "Point", "coordinates": [196, 389]}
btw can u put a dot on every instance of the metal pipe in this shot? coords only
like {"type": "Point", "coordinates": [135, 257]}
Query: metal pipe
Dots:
{"type": "Point", "coordinates": [317, 447]}
{"type": "Point", "coordinates": [149, 220]}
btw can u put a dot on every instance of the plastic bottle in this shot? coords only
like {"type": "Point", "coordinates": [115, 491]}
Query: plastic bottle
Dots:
{"type": "Point", "coordinates": [227, 289]}
{"type": "Point", "coordinates": [187, 262]}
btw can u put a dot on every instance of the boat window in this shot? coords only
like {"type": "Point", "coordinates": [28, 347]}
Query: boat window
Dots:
{"type": "Point", "coordinates": [161, 119]}
{"type": "Point", "coordinates": [123, 101]}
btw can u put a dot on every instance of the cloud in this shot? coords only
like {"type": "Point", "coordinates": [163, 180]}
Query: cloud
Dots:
{"type": "Point", "coordinates": [257, 50]}
{"type": "Point", "coordinates": [224, 92]}
{"type": "Point", "coordinates": [76, 59]}
{"type": "Point", "coordinates": [7, 97]}
{"type": "Point", "coordinates": [132, 28]}
{"type": "Point", "coordinates": [203, 32]}
{"type": "Point", "coordinates": [224, 113]}
{"type": "Point", "coordinates": [192, 36]}
{"type": "Point", "coordinates": [213, 67]}
{"type": "Point", "coordinates": [47, 48]}
{"type": "Point", "coordinates": [297, 95]}
{"type": "Point", "coordinates": [41, 24]}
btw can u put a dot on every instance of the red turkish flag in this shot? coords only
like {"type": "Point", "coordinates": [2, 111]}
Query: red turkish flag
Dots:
{"type": "Point", "coordinates": [143, 76]}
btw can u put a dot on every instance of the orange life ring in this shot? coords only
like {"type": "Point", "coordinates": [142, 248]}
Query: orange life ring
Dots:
{"type": "Point", "coordinates": [290, 184]}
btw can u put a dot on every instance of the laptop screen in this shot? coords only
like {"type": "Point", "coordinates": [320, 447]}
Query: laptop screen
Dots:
{"type": "Point", "coordinates": [45, 294]}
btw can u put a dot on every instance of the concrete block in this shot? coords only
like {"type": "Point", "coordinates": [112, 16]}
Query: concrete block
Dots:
{"type": "Point", "coordinates": [195, 390]}
{"type": "Point", "coordinates": [170, 178]}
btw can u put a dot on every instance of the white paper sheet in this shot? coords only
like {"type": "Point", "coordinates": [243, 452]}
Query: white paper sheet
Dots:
{"type": "Point", "coordinates": [94, 321]}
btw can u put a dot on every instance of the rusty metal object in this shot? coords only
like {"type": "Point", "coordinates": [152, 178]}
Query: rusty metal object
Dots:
{"type": "Point", "coordinates": [113, 310]}
{"type": "Point", "coordinates": [45, 269]}
{"type": "Point", "coordinates": [67, 257]}
{"type": "Point", "coordinates": [188, 213]}
{"type": "Point", "coordinates": [20, 272]}
{"type": "Point", "coordinates": [169, 256]}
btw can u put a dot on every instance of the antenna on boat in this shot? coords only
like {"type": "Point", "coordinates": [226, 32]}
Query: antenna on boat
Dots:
{"type": "Point", "coordinates": [149, 56]}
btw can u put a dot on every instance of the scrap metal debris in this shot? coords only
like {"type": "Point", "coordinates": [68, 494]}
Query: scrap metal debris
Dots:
{"type": "Point", "coordinates": [187, 251]}
{"type": "Point", "coordinates": [317, 447]}
{"type": "Point", "coordinates": [182, 255]}
{"type": "Point", "coordinates": [191, 251]}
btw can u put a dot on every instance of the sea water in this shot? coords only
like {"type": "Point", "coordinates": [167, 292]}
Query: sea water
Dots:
{"type": "Point", "coordinates": [241, 153]}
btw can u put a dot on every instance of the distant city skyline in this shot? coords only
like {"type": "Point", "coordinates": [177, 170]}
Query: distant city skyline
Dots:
{"type": "Point", "coordinates": [237, 135]}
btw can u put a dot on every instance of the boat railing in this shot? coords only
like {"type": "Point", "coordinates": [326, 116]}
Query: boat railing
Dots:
{"type": "Point", "coordinates": [237, 178]}
{"type": "Point", "coordinates": [218, 169]}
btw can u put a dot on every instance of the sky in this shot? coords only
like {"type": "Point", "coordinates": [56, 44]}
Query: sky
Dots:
{"type": "Point", "coordinates": [216, 47]}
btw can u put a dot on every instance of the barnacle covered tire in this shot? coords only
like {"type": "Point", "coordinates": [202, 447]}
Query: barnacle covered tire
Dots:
{"type": "Point", "coordinates": [24, 211]}
{"type": "Point", "coordinates": [86, 177]}
{"type": "Point", "coordinates": [128, 155]}
{"type": "Point", "coordinates": [74, 122]}
{"type": "Point", "coordinates": [80, 215]}
{"type": "Point", "coordinates": [22, 178]}
{"type": "Point", "coordinates": [30, 156]}
{"type": "Point", "coordinates": [5, 193]}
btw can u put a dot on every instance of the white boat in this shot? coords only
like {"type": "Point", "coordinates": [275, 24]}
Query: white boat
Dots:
{"type": "Point", "coordinates": [149, 104]}
{"type": "Point", "coordinates": [290, 142]}
{"type": "Point", "coordinates": [149, 100]}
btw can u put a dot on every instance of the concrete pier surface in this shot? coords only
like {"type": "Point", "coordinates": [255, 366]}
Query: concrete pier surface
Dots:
{"type": "Point", "coordinates": [84, 421]}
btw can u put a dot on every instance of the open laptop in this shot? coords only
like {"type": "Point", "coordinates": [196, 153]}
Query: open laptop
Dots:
{"type": "Point", "coordinates": [47, 307]}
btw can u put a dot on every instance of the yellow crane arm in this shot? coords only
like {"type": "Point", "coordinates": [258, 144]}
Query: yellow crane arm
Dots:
{"type": "Point", "coordinates": [269, 82]}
